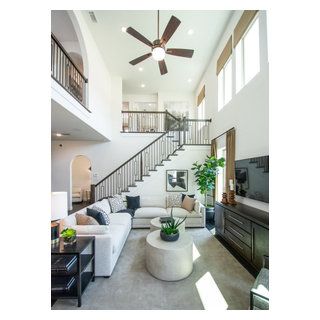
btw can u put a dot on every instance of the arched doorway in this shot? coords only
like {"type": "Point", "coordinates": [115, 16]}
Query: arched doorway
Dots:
{"type": "Point", "coordinates": [81, 179]}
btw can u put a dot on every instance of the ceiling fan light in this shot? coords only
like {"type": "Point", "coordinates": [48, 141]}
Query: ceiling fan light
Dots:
{"type": "Point", "coordinates": [158, 53]}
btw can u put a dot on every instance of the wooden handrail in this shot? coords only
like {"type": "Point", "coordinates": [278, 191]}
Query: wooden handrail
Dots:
{"type": "Point", "coordinates": [68, 56]}
{"type": "Point", "coordinates": [131, 158]}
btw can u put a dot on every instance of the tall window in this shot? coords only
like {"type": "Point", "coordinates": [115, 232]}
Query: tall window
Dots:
{"type": "Point", "coordinates": [221, 179]}
{"type": "Point", "coordinates": [225, 85]}
{"type": "Point", "coordinates": [224, 73]}
{"type": "Point", "coordinates": [201, 109]}
{"type": "Point", "coordinates": [247, 53]}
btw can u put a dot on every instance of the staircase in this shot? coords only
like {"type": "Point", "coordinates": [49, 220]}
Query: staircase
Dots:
{"type": "Point", "coordinates": [177, 133]}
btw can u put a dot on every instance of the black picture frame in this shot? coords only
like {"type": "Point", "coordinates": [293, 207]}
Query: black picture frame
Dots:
{"type": "Point", "coordinates": [176, 180]}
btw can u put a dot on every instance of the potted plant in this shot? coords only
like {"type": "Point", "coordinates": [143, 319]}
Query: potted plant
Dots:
{"type": "Point", "coordinates": [205, 174]}
{"type": "Point", "coordinates": [169, 230]}
{"type": "Point", "coordinates": [69, 236]}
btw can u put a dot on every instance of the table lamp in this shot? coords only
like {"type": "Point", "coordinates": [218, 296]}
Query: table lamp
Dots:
{"type": "Point", "coordinates": [59, 210]}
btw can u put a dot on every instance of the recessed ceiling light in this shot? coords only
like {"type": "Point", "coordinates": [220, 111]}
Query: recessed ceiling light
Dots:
{"type": "Point", "coordinates": [190, 32]}
{"type": "Point", "coordinates": [140, 69]}
{"type": "Point", "coordinates": [58, 134]}
{"type": "Point", "coordinates": [124, 29]}
{"type": "Point", "coordinates": [149, 104]}
{"type": "Point", "coordinates": [189, 80]}
{"type": "Point", "coordinates": [142, 85]}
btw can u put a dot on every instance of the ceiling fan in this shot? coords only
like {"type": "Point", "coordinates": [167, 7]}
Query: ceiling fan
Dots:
{"type": "Point", "coordinates": [158, 50]}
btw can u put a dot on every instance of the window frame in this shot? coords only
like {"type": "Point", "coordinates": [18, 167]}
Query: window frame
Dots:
{"type": "Point", "coordinates": [230, 60]}
{"type": "Point", "coordinates": [242, 48]}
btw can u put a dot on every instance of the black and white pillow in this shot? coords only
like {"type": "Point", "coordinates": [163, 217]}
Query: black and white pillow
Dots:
{"type": "Point", "coordinates": [116, 203]}
{"type": "Point", "coordinates": [105, 214]}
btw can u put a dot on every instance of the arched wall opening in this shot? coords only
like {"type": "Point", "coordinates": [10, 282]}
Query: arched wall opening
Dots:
{"type": "Point", "coordinates": [80, 179]}
{"type": "Point", "coordinates": [66, 29]}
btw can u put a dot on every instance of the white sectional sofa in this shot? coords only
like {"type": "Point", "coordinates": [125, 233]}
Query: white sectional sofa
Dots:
{"type": "Point", "coordinates": [152, 207]}
{"type": "Point", "coordinates": [109, 240]}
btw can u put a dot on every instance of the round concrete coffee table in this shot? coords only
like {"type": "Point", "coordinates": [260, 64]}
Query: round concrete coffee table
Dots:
{"type": "Point", "coordinates": [169, 261]}
{"type": "Point", "coordinates": [156, 225]}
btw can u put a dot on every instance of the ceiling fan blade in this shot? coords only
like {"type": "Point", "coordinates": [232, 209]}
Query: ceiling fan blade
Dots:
{"type": "Point", "coordinates": [186, 53]}
{"type": "Point", "coordinates": [139, 36]}
{"type": "Point", "coordinates": [171, 27]}
{"type": "Point", "coordinates": [141, 58]}
{"type": "Point", "coordinates": [162, 67]}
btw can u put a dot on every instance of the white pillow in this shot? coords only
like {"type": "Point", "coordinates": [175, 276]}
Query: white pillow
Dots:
{"type": "Point", "coordinates": [104, 205]}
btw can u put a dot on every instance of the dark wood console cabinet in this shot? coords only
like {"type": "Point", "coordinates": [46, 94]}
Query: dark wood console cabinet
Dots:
{"type": "Point", "coordinates": [245, 229]}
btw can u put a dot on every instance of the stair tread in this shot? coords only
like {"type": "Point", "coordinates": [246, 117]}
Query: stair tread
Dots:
{"type": "Point", "coordinates": [161, 165]}
{"type": "Point", "coordinates": [166, 160]}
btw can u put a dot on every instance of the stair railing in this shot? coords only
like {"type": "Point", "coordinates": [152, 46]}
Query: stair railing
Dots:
{"type": "Point", "coordinates": [177, 132]}
{"type": "Point", "coordinates": [137, 167]}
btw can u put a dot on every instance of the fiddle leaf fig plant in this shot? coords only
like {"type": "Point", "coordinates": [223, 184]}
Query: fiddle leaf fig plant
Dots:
{"type": "Point", "coordinates": [206, 173]}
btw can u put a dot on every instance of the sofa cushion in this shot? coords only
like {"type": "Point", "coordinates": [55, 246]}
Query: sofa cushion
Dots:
{"type": "Point", "coordinates": [189, 195]}
{"type": "Point", "coordinates": [130, 211]}
{"type": "Point", "coordinates": [174, 200]}
{"type": "Point", "coordinates": [133, 202]}
{"type": "Point", "coordinates": [116, 203]}
{"type": "Point", "coordinates": [120, 218]}
{"type": "Point", "coordinates": [83, 219]}
{"type": "Point", "coordinates": [117, 232]}
{"type": "Point", "coordinates": [99, 216]}
{"type": "Point", "coordinates": [104, 205]}
{"type": "Point", "coordinates": [181, 213]}
{"type": "Point", "coordinates": [91, 229]}
{"type": "Point", "coordinates": [150, 212]}
{"type": "Point", "coordinates": [188, 203]}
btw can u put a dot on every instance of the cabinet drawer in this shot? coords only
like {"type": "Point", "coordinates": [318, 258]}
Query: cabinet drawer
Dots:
{"type": "Point", "coordinates": [241, 222]}
{"type": "Point", "coordinates": [239, 233]}
{"type": "Point", "coordinates": [242, 248]}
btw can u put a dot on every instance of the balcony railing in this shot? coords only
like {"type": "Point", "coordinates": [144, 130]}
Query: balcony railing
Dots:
{"type": "Point", "coordinates": [66, 73]}
{"type": "Point", "coordinates": [187, 131]}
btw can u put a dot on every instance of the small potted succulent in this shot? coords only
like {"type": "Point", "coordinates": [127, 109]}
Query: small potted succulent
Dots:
{"type": "Point", "coordinates": [69, 236]}
{"type": "Point", "coordinates": [169, 230]}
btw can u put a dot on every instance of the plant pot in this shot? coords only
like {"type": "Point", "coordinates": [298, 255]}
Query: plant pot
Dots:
{"type": "Point", "coordinates": [69, 241]}
{"type": "Point", "coordinates": [169, 237]}
{"type": "Point", "coordinates": [210, 214]}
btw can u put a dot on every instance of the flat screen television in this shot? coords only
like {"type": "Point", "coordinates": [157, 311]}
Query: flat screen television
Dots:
{"type": "Point", "coordinates": [252, 178]}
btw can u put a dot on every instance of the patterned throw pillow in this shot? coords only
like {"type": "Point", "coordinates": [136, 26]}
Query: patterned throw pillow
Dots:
{"type": "Point", "coordinates": [174, 200]}
{"type": "Point", "coordinates": [116, 203]}
{"type": "Point", "coordinates": [105, 214]}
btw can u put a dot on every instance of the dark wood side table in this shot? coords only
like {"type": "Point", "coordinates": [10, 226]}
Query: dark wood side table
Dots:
{"type": "Point", "coordinates": [81, 273]}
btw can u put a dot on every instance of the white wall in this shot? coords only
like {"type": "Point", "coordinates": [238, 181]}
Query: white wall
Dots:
{"type": "Point", "coordinates": [154, 187]}
{"type": "Point", "coordinates": [177, 97]}
{"type": "Point", "coordinates": [102, 86]}
{"type": "Point", "coordinates": [248, 111]}
{"type": "Point", "coordinates": [104, 156]}
{"type": "Point", "coordinates": [133, 98]}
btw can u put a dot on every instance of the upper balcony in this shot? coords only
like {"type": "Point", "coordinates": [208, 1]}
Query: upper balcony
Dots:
{"type": "Point", "coordinates": [66, 73]}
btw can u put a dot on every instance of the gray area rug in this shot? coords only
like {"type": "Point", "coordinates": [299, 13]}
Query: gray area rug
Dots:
{"type": "Point", "coordinates": [218, 281]}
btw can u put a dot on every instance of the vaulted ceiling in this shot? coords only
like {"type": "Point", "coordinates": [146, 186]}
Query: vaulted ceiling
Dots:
{"type": "Point", "coordinates": [118, 48]}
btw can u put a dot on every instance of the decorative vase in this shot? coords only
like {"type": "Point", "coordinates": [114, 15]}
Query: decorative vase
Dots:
{"type": "Point", "coordinates": [69, 241]}
{"type": "Point", "coordinates": [169, 237]}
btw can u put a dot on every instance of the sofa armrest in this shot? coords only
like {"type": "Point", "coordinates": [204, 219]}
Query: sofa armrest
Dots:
{"type": "Point", "coordinates": [199, 208]}
{"type": "Point", "coordinates": [91, 229]}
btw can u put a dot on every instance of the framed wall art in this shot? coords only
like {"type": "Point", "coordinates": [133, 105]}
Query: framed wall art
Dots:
{"type": "Point", "coordinates": [177, 180]}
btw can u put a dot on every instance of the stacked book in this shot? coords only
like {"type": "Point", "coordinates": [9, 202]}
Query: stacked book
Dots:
{"type": "Point", "coordinates": [62, 269]}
